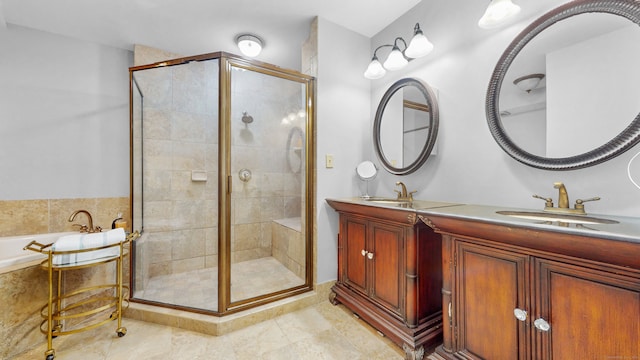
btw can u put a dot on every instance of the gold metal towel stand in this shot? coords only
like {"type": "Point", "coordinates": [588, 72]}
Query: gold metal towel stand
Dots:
{"type": "Point", "coordinates": [57, 310]}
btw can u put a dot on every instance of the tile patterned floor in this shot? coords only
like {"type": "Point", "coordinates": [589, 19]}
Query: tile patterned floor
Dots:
{"type": "Point", "coordinates": [322, 332]}
{"type": "Point", "coordinates": [199, 288]}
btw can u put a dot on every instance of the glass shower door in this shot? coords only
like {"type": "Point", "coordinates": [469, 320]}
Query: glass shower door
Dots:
{"type": "Point", "coordinates": [221, 158]}
{"type": "Point", "coordinates": [175, 187]}
{"type": "Point", "coordinates": [268, 119]}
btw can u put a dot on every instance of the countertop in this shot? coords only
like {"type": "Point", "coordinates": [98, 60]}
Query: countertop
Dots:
{"type": "Point", "coordinates": [627, 229]}
{"type": "Point", "coordinates": [414, 206]}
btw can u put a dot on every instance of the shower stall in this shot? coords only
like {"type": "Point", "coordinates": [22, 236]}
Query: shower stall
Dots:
{"type": "Point", "coordinates": [221, 183]}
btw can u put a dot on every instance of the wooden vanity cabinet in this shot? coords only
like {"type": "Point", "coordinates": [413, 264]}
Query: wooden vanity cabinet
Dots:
{"type": "Point", "coordinates": [569, 306]}
{"type": "Point", "coordinates": [389, 274]}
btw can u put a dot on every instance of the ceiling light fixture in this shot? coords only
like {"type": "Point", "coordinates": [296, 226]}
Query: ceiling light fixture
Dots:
{"type": "Point", "coordinates": [528, 82]}
{"type": "Point", "coordinates": [419, 46]}
{"type": "Point", "coordinates": [497, 13]}
{"type": "Point", "coordinates": [250, 45]}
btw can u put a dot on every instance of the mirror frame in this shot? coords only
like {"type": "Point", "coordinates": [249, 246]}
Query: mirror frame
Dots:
{"type": "Point", "coordinates": [430, 97]}
{"type": "Point", "coordinates": [624, 141]}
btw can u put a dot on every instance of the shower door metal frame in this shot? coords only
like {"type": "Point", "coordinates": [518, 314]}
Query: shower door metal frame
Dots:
{"type": "Point", "coordinates": [226, 62]}
{"type": "Point", "coordinates": [225, 181]}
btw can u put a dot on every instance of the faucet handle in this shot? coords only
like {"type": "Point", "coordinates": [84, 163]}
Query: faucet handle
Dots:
{"type": "Point", "coordinates": [411, 194]}
{"type": "Point", "coordinates": [548, 201]}
{"type": "Point", "coordinates": [81, 228]}
{"type": "Point", "coordinates": [580, 202]}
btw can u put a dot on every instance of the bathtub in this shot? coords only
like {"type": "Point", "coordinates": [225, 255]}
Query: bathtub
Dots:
{"type": "Point", "coordinates": [12, 255]}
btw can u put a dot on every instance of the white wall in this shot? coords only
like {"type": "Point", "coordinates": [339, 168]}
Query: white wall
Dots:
{"type": "Point", "coordinates": [343, 130]}
{"type": "Point", "coordinates": [470, 167]}
{"type": "Point", "coordinates": [64, 117]}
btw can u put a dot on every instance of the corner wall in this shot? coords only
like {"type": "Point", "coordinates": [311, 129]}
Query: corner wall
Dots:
{"type": "Point", "coordinates": [342, 130]}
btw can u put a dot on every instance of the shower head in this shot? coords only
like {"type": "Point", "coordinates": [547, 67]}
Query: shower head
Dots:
{"type": "Point", "coordinates": [246, 118]}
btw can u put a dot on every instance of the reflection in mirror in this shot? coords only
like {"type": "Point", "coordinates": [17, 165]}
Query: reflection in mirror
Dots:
{"type": "Point", "coordinates": [415, 129]}
{"type": "Point", "coordinates": [406, 126]}
{"type": "Point", "coordinates": [589, 62]}
{"type": "Point", "coordinates": [584, 110]}
{"type": "Point", "coordinates": [366, 171]}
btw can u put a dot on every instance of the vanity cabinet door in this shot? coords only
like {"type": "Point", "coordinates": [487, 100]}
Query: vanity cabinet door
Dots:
{"type": "Point", "coordinates": [353, 248]}
{"type": "Point", "coordinates": [591, 314]}
{"type": "Point", "coordinates": [490, 284]}
{"type": "Point", "coordinates": [386, 264]}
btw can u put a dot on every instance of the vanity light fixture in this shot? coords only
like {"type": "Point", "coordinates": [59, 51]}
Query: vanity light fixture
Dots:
{"type": "Point", "coordinates": [419, 46]}
{"type": "Point", "coordinates": [250, 45]}
{"type": "Point", "coordinates": [497, 13]}
{"type": "Point", "coordinates": [528, 82]}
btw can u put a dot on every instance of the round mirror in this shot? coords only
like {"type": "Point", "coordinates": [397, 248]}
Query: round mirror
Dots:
{"type": "Point", "coordinates": [564, 94]}
{"type": "Point", "coordinates": [406, 126]}
{"type": "Point", "coordinates": [366, 170]}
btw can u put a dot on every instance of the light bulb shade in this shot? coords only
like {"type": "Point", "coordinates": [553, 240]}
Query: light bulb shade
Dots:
{"type": "Point", "coordinates": [419, 46]}
{"type": "Point", "coordinates": [528, 82]}
{"type": "Point", "coordinates": [395, 60]}
{"type": "Point", "coordinates": [374, 70]}
{"type": "Point", "coordinates": [498, 12]}
{"type": "Point", "coordinates": [249, 45]}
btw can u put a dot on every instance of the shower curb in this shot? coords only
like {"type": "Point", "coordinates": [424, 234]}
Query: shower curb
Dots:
{"type": "Point", "coordinates": [215, 325]}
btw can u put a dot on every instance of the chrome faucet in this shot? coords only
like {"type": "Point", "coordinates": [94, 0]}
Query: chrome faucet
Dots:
{"type": "Point", "coordinates": [402, 194]}
{"type": "Point", "coordinates": [563, 202]}
{"type": "Point", "coordinates": [85, 228]}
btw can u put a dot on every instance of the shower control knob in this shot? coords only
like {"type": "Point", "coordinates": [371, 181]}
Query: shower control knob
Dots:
{"type": "Point", "coordinates": [244, 175]}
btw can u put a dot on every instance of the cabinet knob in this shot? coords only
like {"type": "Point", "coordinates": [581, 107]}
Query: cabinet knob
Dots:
{"type": "Point", "coordinates": [370, 255]}
{"type": "Point", "coordinates": [541, 325]}
{"type": "Point", "coordinates": [520, 314]}
{"type": "Point", "coordinates": [363, 252]}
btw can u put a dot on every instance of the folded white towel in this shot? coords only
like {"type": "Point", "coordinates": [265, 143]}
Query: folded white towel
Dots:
{"type": "Point", "coordinates": [87, 241]}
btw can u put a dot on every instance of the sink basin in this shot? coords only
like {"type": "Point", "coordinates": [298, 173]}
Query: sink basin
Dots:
{"type": "Point", "coordinates": [391, 201]}
{"type": "Point", "coordinates": [564, 218]}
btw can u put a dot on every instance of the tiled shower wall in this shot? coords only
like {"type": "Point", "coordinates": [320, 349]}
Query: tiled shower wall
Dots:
{"type": "Point", "coordinates": [274, 191]}
{"type": "Point", "coordinates": [180, 139]}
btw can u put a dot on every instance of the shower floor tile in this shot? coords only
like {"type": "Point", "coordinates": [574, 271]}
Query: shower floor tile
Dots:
{"type": "Point", "coordinates": [199, 288]}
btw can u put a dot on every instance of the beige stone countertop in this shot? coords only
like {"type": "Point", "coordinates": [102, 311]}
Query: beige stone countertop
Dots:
{"type": "Point", "coordinates": [627, 228]}
{"type": "Point", "coordinates": [406, 206]}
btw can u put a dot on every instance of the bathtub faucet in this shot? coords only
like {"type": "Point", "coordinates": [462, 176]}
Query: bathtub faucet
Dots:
{"type": "Point", "coordinates": [85, 228]}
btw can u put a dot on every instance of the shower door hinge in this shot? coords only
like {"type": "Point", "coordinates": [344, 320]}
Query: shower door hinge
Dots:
{"type": "Point", "coordinates": [229, 181]}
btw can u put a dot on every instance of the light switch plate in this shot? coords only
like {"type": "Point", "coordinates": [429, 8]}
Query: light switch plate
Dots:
{"type": "Point", "coordinates": [329, 161]}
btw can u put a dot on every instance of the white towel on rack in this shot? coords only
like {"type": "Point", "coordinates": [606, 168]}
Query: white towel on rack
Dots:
{"type": "Point", "coordinates": [87, 241]}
